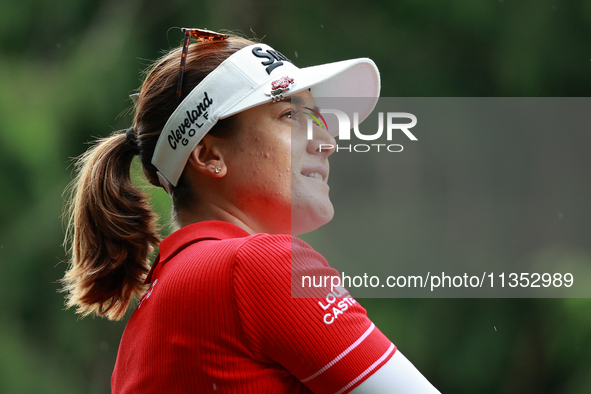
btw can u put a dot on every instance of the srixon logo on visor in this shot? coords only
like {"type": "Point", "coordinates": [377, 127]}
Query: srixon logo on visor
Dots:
{"type": "Point", "coordinates": [186, 128]}
{"type": "Point", "coordinates": [274, 58]}
{"type": "Point", "coordinates": [394, 122]}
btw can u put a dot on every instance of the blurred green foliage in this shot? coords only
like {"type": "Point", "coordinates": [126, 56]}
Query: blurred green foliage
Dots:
{"type": "Point", "coordinates": [67, 67]}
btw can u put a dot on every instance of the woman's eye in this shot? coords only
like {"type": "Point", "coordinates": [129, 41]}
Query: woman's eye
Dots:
{"type": "Point", "coordinates": [290, 114]}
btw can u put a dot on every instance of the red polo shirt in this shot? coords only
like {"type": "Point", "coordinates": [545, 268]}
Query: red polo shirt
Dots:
{"type": "Point", "coordinates": [219, 317]}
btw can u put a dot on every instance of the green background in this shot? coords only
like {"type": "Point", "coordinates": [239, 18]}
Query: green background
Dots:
{"type": "Point", "coordinates": [67, 67]}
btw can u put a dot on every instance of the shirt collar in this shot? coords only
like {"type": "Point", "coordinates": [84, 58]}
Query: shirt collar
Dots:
{"type": "Point", "coordinates": [210, 229]}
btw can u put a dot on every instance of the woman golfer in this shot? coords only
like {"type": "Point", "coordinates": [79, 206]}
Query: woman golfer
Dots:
{"type": "Point", "coordinates": [218, 124]}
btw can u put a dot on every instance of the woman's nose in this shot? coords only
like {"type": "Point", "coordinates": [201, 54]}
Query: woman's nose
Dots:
{"type": "Point", "coordinates": [322, 142]}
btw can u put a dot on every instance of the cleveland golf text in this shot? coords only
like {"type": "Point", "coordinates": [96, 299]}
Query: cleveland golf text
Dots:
{"type": "Point", "coordinates": [185, 126]}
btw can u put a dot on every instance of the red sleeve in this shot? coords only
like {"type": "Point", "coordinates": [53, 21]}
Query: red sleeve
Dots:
{"type": "Point", "coordinates": [327, 342]}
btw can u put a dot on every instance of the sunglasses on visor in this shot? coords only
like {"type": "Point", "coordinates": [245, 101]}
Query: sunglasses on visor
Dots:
{"type": "Point", "coordinates": [201, 35]}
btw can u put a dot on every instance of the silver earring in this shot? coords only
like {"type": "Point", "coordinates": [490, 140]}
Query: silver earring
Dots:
{"type": "Point", "coordinates": [218, 169]}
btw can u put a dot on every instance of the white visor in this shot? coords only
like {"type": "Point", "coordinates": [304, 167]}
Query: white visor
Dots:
{"type": "Point", "coordinates": [252, 76]}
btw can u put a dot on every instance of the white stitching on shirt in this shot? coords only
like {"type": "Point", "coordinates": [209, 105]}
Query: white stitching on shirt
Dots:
{"type": "Point", "coordinates": [343, 354]}
{"type": "Point", "coordinates": [368, 370]}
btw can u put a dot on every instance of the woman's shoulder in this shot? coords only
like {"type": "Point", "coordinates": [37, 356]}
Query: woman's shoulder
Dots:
{"type": "Point", "coordinates": [279, 262]}
{"type": "Point", "coordinates": [221, 248]}
{"type": "Point", "coordinates": [275, 243]}
{"type": "Point", "coordinates": [263, 248]}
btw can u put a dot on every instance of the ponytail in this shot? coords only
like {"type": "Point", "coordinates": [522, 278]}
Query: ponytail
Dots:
{"type": "Point", "coordinates": [111, 232]}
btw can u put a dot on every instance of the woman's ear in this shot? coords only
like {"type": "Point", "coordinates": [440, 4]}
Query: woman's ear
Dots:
{"type": "Point", "coordinates": [208, 158]}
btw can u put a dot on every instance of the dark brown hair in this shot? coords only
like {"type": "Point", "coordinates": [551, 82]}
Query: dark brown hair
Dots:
{"type": "Point", "coordinates": [111, 227]}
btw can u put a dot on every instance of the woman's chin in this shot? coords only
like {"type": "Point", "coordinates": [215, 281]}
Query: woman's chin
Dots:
{"type": "Point", "coordinates": [306, 220]}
